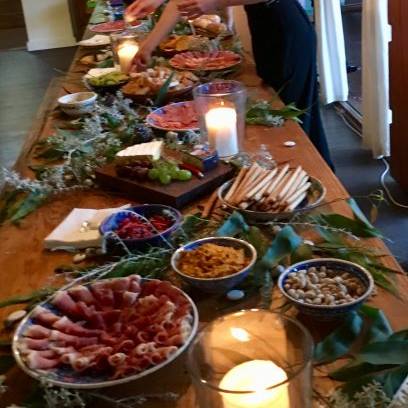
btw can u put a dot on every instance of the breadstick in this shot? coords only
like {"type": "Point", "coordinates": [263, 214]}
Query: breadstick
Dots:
{"type": "Point", "coordinates": [257, 191]}
{"type": "Point", "coordinates": [234, 199]}
{"type": "Point", "coordinates": [289, 183]}
{"type": "Point", "coordinates": [296, 183]}
{"type": "Point", "coordinates": [246, 185]}
{"type": "Point", "coordinates": [299, 192]}
{"type": "Point", "coordinates": [292, 206]}
{"type": "Point", "coordinates": [236, 183]}
{"type": "Point", "coordinates": [259, 184]}
{"type": "Point", "coordinates": [209, 205]}
{"type": "Point", "coordinates": [278, 188]}
{"type": "Point", "coordinates": [277, 180]}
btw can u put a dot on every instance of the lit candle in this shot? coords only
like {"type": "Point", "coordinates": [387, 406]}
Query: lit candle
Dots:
{"type": "Point", "coordinates": [126, 53]}
{"type": "Point", "coordinates": [221, 124]}
{"type": "Point", "coordinates": [257, 376]}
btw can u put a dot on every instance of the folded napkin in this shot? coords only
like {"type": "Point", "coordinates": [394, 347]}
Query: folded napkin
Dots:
{"type": "Point", "coordinates": [80, 229]}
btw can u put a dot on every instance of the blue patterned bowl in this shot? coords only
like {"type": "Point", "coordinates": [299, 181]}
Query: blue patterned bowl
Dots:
{"type": "Point", "coordinates": [216, 285]}
{"type": "Point", "coordinates": [111, 223]}
{"type": "Point", "coordinates": [329, 312]}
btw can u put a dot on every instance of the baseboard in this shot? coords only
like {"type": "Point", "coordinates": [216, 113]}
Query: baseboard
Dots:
{"type": "Point", "coordinates": [47, 43]}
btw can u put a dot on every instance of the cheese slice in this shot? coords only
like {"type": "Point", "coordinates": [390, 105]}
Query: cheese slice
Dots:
{"type": "Point", "coordinates": [142, 151]}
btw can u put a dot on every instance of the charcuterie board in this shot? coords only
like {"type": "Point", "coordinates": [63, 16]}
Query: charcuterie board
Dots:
{"type": "Point", "coordinates": [177, 194]}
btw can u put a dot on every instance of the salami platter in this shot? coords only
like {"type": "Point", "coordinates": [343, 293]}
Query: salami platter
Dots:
{"type": "Point", "coordinates": [105, 333]}
{"type": "Point", "coordinates": [180, 116]}
{"type": "Point", "coordinates": [205, 61]}
{"type": "Point", "coordinates": [112, 26]}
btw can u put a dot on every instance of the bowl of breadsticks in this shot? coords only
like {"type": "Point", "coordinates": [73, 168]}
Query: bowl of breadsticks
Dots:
{"type": "Point", "coordinates": [272, 194]}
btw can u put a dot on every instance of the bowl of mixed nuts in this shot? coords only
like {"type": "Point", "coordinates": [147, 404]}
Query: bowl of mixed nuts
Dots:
{"type": "Point", "coordinates": [326, 288]}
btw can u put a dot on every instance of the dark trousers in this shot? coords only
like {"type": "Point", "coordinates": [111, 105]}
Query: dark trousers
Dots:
{"type": "Point", "coordinates": [285, 52]}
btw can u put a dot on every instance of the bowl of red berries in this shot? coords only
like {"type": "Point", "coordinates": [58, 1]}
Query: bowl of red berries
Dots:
{"type": "Point", "coordinates": [140, 227]}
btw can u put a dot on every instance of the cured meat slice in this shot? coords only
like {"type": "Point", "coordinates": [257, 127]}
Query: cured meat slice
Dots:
{"type": "Point", "coordinates": [205, 61]}
{"type": "Point", "coordinates": [44, 316]}
{"type": "Point", "coordinates": [27, 344]}
{"type": "Point", "coordinates": [65, 325]}
{"type": "Point", "coordinates": [64, 302]}
{"type": "Point", "coordinates": [112, 26]}
{"type": "Point", "coordinates": [36, 331]}
{"type": "Point", "coordinates": [36, 362]}
{"type": "Point", "coordinates": [176, 116]}
{"type": "Point", "coordinates": [82, 293]}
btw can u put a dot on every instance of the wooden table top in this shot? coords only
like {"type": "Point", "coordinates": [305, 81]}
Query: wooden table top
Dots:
{"type": "Point", "coordinates": [25, 265]}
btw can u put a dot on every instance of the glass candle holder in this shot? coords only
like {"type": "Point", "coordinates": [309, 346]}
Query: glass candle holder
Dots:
{"type": "Point", "coordinates": [252, 359]}
{"type": "Point", "coordinates": [125, 45]}
{"type": "Point", "coordinates": [221, 108]}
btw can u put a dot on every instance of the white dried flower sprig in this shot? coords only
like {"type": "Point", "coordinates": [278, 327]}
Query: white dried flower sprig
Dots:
{"type": "Point", "coordinates": [13, 179]}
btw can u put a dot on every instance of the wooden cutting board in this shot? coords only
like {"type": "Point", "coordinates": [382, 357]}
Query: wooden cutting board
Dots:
{"type": "Point", "coordinates": [176, 194]}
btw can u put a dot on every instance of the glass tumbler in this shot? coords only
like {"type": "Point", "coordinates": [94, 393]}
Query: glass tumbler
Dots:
{"type": "Point", "coordinates": [221, 108]}
{"type": "Point", "coordinates": [125, 45]}
{"type": "Point", "coordinates": [252, 359]}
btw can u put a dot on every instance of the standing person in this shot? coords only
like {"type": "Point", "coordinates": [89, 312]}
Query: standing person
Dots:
{"type": "Point", "coordinates": [284, 46]}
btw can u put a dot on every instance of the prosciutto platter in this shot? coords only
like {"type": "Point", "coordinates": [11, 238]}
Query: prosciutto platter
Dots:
{"type": "Point", "coordinates": [180, 116]}
{"type": "Point", "coordinates": [205, 61]}
{"type": "Point", "coordinates": [112, 26]}
{"type": "Point", "coordinates": [105, 333]}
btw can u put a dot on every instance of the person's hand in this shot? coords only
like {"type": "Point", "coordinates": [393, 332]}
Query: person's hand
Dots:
{"type": "Point", "coordinates": [195, 8]}
{"type": "Point", "coordinates": [141, 8]}
{"type": "Point", "coordinates": [142, 59]}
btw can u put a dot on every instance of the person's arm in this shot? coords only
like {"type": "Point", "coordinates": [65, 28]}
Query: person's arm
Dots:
{"type": "Point", "coordinates": [196, 8]}
{"type": "Point", "coordinates": [141, 8]}
{"type": "Point", "coordinates": [166, 23]}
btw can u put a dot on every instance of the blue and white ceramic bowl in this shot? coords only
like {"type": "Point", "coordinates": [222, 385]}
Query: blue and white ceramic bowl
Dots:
{"type": "Point", "coordinates": [216, 285]}
{"type": "Point", "coordinates": [68, 378]}
{"type": "Point", "coordinates": [77, 104]}
{"type": "Point", "coordinates": [329, 312]}
{"type": "Point", "coordinates": [111, 224]}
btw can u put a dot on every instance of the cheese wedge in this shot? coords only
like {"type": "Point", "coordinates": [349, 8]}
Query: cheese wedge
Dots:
{"type": "Point", "coordinates": [142, 151]}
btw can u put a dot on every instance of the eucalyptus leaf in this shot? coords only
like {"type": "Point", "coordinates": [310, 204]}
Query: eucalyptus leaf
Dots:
{"type": "Point", "coordinates": [302, 253]}
{"type": "Point", "coordinates": [341, 222]}
{"type": "Point", "coordinates": [163, 91]}
{"type": "Point", "coordinates": [357, 369]}
{"type": "Point", "coordinates": [256, 238]}
{"type": "Point", "coordinates": [400, 336]}
{"type": "Point", "coordinates": [380, 328]}
{"type": "Point", "coordinates": [385, 352]}
{"type": "Point", "coordinates": [34, 200]}
{"type": "Point", "coordinates": [393, 380]}
{"type": "Point", "coordinates": [285, 243]}
{"type": "Point", "coordinates": [233, 226]}
{"type": "Point", "coordinates": [37, 296]}
{"type": "Point", "coordinates": [339, 342]}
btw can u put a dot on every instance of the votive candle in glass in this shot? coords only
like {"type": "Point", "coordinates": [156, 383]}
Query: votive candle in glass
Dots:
{"type": "Point", "coordinates": [221, 107]}
{"type": "Point", "coordinates": [252, 359]}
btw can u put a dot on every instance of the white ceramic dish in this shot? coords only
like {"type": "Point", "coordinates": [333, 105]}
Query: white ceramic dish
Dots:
{"type": "Point", "coordinates": [77, 104]}
{"type": "Point", "coordinates": [98, 40]}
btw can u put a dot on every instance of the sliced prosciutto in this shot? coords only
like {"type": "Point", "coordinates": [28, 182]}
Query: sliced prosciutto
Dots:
{"type": "Point", "coordinates": [205, 61]}
{"type": "Point", "coordinates": [176, 116]}
{"type": "Point", "coordinates": [112, 26]}
{"type": "Point", "coordinates": [111, 328]}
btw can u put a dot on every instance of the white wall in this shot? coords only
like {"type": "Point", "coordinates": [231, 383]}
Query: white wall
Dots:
{"type": "Point", "coordinates": [48, 24]}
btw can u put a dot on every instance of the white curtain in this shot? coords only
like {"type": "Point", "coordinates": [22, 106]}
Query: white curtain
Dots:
{"type": "Point", "coordinates": [331, 51]}
{"type": "Point", "coordinates": [376, 113]}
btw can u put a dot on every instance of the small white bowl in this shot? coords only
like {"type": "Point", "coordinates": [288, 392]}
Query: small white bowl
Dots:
{"type": "Point", "coordinates": [77, 104]}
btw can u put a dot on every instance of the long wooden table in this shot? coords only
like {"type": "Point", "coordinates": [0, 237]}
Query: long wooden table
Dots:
{"type": "Point", "coordinates": [25, 265]}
